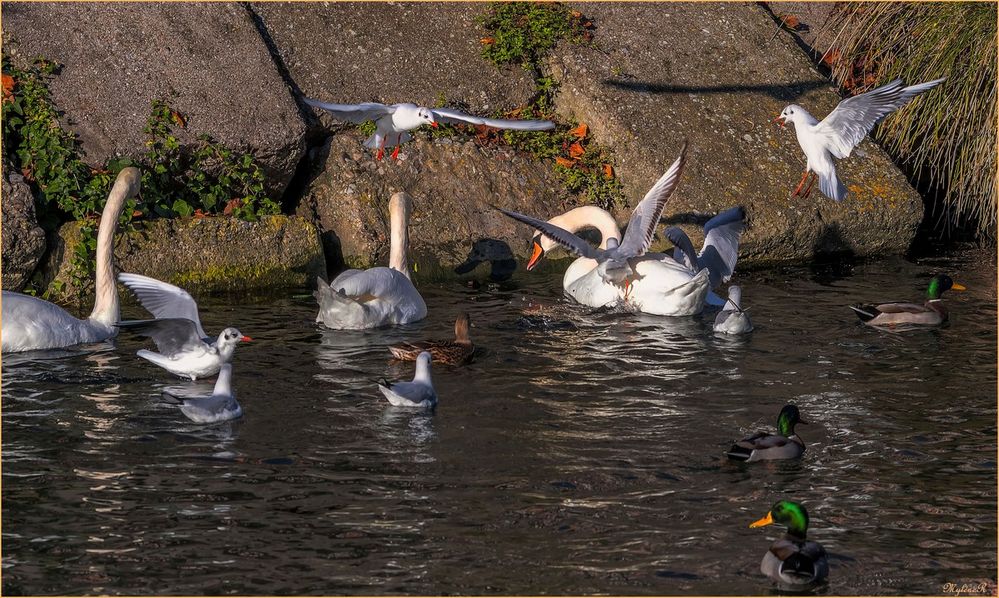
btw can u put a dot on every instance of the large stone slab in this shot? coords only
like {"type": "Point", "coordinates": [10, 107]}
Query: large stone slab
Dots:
{"type": "Point", "coordinates": [453, 185]}
{"type": "Point", "coordinates": [207, 60]}
{"type": "Point", "coordinates": [205, 255]}
{"type": "Point", "coordinates": [23, 239]}
{"type": "Point", "coordinates": [352, 52]}
{"type": "Point", "coordinates": [711, 74]}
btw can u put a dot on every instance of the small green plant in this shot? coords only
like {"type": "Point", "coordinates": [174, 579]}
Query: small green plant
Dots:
{"type": "Point", "coordinates": [204, 178]}
{"type": "Point", "coordinates": [524, 32]}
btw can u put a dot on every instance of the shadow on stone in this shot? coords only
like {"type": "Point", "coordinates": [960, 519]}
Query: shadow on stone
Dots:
{"type": "Point", "coordinates": [834, 256]}
{"type": "Point", "coordinates": [785, 92]}
{"type": "Point", "coordinates": [493, 251]}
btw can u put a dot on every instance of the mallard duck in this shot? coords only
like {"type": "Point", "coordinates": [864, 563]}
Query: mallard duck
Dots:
{"type": "Point", "coordinates": [454, 352]}
{"type": "Point", "coordinates": [763, 446]}
{"type": "Point", "coordinates": [793, 562]}
{"type": "Point", "coordinates": [892, 315]}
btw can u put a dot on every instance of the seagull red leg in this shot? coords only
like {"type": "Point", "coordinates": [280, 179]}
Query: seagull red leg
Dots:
{"type": "Point", "coordinates": [808, 189]}
{"type": "Point", "coordinates": [381, 150]}
{"type": "Point", "coordinates": [398, 144]}
{"type": "Point", "coordinates": [801, 184]}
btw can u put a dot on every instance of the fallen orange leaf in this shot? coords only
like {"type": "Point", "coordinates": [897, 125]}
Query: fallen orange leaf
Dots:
{"type": "Point", "coordinates": [790, 21]}
{"type": "Point", "coordinates": [564, 162]}
{"type": "Point", "coordinates": [580, 131]}
{"type": "Point", "coordinates": [8, 87]}
{"type": "Point", "coordinates": [487, 41]}
{"type": "Point", "coordinates": [136, 213]}
{"type": "Point", "coordinates": [830, 57]}
{"type": "Point", "coordinates": [178, 118]}
{"type": "Point", "coordinates": [232, 205]}
{"type": "Point", "coordinates": [608, 171]}
{"type": "Point", "coordinates": [576, 14]}
{"type": "Point", "coordinates": [576, 150]}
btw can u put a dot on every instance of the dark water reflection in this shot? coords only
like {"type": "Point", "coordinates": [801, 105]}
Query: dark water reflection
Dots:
{"type": "Point", "coordinates": [580, 453]}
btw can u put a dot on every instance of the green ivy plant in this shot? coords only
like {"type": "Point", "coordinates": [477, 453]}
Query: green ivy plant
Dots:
{"type": "Point", "coordinates": [203, 178]}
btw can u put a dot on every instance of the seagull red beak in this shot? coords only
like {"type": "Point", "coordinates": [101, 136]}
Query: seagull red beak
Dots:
{"type": "Point", "coordinates": [245, 339]}
{"type": "Point", "coordinates": [434, 124]}
{"type": "Point", "coordinates": [782, 123]}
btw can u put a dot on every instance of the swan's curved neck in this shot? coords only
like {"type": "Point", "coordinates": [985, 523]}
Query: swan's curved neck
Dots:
{"type": "Point", "coordinates": [399, 207]}
{"type": "Point", "coordinates": [106, 301]}
{"type": "Point", "coordinates": [589, 217]}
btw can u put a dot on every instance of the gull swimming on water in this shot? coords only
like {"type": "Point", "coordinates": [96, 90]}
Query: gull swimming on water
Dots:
{"type": "Point", "coordinates": [219, 407]}
{"type": "Point", "coordinates": [842, 130]}
{"type": "Point", "coordinates": [392, 122]}
{"type": "Point", "coordinates": [185, 349]}
{"type": "Point", "coordinates": [616, 263]}
{"type": "Point", "coordinates": [418, 393]}
{"type": "Point", "coordinates": [732, 319]}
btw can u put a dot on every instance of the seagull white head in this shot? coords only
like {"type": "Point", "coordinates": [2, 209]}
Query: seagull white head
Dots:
{"type": "Point", "coordinates": [426, 116]}
{"type": "Point", "coordinates": [793, 113]}
{"type": "Point", "coordinates": [230, 337]}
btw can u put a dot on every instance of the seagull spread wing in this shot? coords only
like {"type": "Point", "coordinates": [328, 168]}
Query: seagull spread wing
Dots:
{"type": "Point", "coordinates": [454, 117]}
{"type": "Point", "coordinates": [171, 335]}
{"type": "Point", "coordinates": [645, 218]}
{"type": "Point", "coordinates": [163, 300]}
{"type": "Point", "coordinates": [685, 248]}
{"type": "Point", "coordinates": [853, 118]}
{"type": "Point", "coordinates": [354, 113]}
{"type": "Point", "coordinates": [721, 244]}
{"type": "Point", "coordinates": [557, 234]}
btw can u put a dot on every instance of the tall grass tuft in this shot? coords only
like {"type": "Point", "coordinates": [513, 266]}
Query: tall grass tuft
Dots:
{"type": "Point", "coordinates": [950, 134]}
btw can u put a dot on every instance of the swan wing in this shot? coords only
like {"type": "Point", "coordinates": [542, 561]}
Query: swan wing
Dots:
{"type": "Point", "coordinates": [163, 300]}
{"type": "Point", "coordinates": [171, 335]}
{"type": "Point", "coordinates": [645, 218]}
{"type": "Point", "coordinates": [353, 113]}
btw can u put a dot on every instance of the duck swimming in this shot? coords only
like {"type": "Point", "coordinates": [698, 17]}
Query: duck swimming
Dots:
{"type": "Point", "coordinates": [910, 315]}
{"type": "Point", "coordinates": [763, 446]}
{"type": "Point", "coordinates": [453, 352]}
{"type": "Point", "coordinates": [793, 562]}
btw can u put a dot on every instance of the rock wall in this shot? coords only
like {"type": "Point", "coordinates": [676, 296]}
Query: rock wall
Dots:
{"type": "Point", "coordinates": [23, 239]}
{"type": "Point", "coordinates": [209, 254]}
{"type": "Point", "coordinates": [656, 75]}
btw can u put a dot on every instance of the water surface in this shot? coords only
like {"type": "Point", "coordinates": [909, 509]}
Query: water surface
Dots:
{"type": "Point", "coordinates": [580, 453]}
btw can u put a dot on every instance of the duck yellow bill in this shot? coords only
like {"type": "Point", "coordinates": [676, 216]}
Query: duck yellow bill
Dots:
{"type": "Point", "coordinates": [761, 522]}
{"type": "Point", "coordinates": [958, 287]}
{"type": "Point", "coordinates": [536, 256]}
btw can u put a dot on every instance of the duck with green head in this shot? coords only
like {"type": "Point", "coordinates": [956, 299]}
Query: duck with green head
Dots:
{"type": "Point", "coordinates": [786, 444]}
{"type": "Point", "coordinates": [793, 562]}
{"type": "Point", "coordinates": [893, 315]}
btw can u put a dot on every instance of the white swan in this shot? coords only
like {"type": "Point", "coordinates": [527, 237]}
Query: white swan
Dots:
{"type": "Point", "coordinates": [663, 287]}
{"type": "Point", "coordinates": [360, 299]}
{"type": "Point", "coordinates": [31, 323]}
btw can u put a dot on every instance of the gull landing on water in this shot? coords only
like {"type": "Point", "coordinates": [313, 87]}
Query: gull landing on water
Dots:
{"type": "Point", "coordinates": [392, 122]}
{"type": "Point", "coordinates": [615, 263]}
{"type": "Point", "coordinates": [842, 130]}
{"type": "Point", "coordinates": [185, 349]}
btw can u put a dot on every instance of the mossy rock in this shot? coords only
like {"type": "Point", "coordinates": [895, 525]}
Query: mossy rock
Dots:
{"type": "Point", "coordinates": [202, 255]}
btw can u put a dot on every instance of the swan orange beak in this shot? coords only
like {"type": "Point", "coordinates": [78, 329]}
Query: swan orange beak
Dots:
{"type": "Point", "coordinates": [245, 339]}
{"type": "Point", "coordinates": [539, 253]}
{"type": "Point", "coordinates": [761, 522]}
{"type": "Point", "coordinates": [958, 287]}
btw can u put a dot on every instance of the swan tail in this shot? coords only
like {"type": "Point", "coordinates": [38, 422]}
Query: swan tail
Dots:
{"type": "Point", "coordinates": [337, 310]}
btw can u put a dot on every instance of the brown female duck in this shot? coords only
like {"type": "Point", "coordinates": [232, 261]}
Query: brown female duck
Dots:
{"type": "Point", "coordinates": [454, 352]}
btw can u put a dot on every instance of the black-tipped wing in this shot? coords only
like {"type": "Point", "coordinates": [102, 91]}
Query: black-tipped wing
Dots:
{"type": "Point", "coordinates": [454, 117]}
{"type": "Point", "coordinates": [557, 234]}
{"type": "Point", "coordinates": [171, 335]}
{"type": "Point", "coordinates": [354, 113]}
{"type": "Point", "coordinates": [853, 118]}
{"type": "Point", "coordinates": [163, 300]}
{"type": "Point", "coordinates": [645, 218]}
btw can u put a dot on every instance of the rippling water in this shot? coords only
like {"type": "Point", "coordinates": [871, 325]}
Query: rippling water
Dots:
{"type": "Point", "coordinates": [581, 452]}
